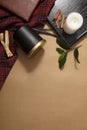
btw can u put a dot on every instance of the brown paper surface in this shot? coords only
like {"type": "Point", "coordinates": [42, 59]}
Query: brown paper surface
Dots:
{"type": "Point", "coordinates": [38, 96]}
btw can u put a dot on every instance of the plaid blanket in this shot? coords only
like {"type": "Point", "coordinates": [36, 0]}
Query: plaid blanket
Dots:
{"type": "Point", "coordinates": [11, 22]}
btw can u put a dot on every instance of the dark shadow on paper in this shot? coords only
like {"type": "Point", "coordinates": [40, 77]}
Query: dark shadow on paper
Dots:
{"type": "Point", "coordinates": [30, 64]}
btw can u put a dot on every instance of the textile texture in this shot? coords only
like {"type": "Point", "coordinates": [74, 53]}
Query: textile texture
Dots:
{"type": "Point", "coordinates": [11, 22]}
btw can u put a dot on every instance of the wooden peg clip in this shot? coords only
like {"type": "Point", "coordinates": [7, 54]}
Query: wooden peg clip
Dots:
{"type": "Point", "coordinates": [6, 43]}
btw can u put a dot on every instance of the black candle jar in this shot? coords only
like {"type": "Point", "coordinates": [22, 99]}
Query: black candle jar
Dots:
{"type": "Point", "coordinates": [29, 40]}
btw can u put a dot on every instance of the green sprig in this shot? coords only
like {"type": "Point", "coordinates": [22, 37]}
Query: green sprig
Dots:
{"type": "Point", "coordinates": [63, 56]}
{"type": "Point", "coordinates": [76, 55]}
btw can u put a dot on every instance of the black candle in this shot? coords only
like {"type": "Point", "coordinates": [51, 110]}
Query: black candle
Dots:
{"type": "Point", "coordinates": [29, 40]}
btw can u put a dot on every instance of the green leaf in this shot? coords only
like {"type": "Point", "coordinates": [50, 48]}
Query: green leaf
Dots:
{"type": "Point", "coordinates": [76, 55]}
{"type": "Point", "coordinates": [62, 59]}
{"type": "Point", "coordinates": [59, 50]}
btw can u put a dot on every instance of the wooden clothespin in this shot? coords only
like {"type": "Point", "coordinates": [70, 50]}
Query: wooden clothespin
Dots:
{"type": "Point", "coordinates": [1, 37]}
{"type": "Point", "coordinates": [6, 43]}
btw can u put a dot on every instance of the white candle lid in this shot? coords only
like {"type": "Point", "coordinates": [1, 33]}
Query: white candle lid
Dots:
{"type": "Point", "coordinates": [75, 18]}
{"type": "Point", "coordinates": [73, 22]}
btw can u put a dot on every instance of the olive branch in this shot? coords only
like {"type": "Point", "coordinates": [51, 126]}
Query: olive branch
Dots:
{"type": "Point", "coordinates": [63, 56]}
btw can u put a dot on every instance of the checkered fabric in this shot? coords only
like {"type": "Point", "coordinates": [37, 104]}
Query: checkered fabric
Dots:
{"type": "Point", "coordinates": [11, 22]}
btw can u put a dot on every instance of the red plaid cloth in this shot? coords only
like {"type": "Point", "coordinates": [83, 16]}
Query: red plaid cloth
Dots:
{"type": "Point", "coordinates": [11, 22]}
